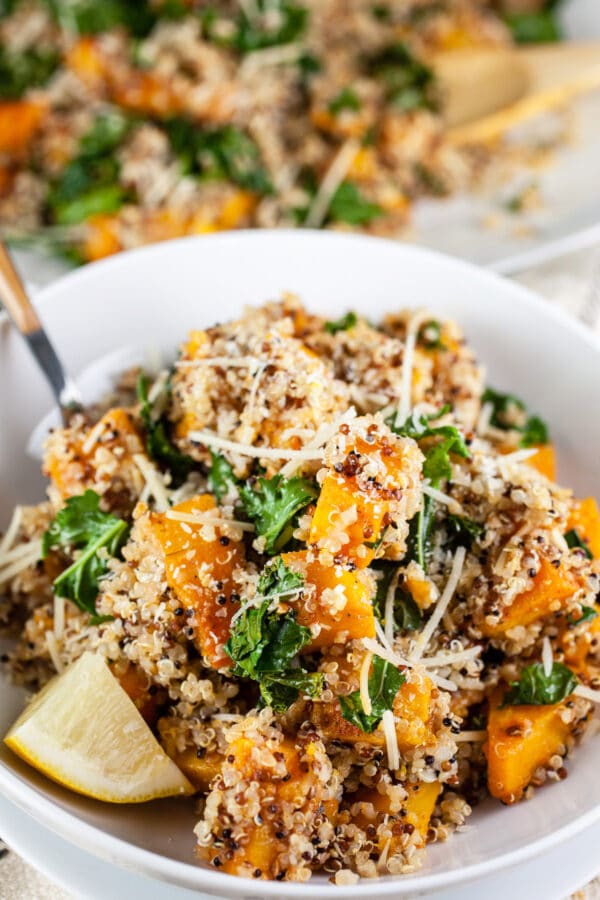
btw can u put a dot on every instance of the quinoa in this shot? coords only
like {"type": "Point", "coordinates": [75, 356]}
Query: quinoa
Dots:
{"type": "Point", "coordinates": [347, 629]}
{"type": "Point", "coordinates": [139, 126]}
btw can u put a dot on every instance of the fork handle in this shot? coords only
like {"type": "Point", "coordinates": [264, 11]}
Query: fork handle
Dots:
{"type": "Point", "coordinates": [14, 297]}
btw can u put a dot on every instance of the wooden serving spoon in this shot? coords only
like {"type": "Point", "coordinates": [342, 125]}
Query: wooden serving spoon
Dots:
{"type": "Point", "coordinates": [486, 91]}
{"type": "Point", "coordinates": [25, 319]}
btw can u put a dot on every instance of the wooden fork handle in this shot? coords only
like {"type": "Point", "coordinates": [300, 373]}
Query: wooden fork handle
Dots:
{"type": "Point", "coordinates": [13, 296]}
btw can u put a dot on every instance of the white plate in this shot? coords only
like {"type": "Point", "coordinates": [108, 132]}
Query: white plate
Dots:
{"type": "Point", "coordinates": [556, 874]}
{"type": "Point", "coordinates": [155, 295]}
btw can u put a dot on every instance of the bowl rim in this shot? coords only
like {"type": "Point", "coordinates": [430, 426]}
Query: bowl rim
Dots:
{"type": "Point", "coordinates": [154, 865]}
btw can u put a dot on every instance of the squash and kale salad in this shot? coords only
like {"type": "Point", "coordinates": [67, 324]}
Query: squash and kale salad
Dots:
{"type": "Point", "coordinates": [335, 575]}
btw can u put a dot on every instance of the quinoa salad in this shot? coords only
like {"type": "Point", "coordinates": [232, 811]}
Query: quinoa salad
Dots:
{"type": "Point", "coordinates": [124, 123]}
{"type": "Point", "coordinates": [335, 574]}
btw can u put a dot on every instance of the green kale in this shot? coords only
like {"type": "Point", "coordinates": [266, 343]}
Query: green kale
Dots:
{"type": "Point", "coordinates": [436, 468]}
{"type": "Point", "coordinates": [218, 154]}
{"type": "Point", "coordinates": [408, 82]}
{"type": "Point", "coordinates": [220, 475]}
{"type": "Point", "coordinates": [573, 540]}
{"type": "Point", "coordinates": [540, 27]}
{"type": "Point", "coordinates": [384, 683]}
{"type": "Point", "coordinates": [256, 32]}
{"type": "Point", "coordinates": [25, 69]}
{"type": "Point", "coordinates": [88, 185]}
{"type": "Point", "coordinates": [264, 644]}
{"type": "Point", "coordinates": [462, 531]}
{"type": "Point", "coordinates": [507, 413]}
{"type": "Point", "coordinates": [81, 525]}
{"type": "Point", "coordinates": [536, 688]}
{"type": "Point", "coordinates": [430, 335]}
{"type": "Point", "coordinates": [346, 99]}
{"type": "Point", "coordinates": [407, 615]}
{"type": "Point", "coordinates": [272, 504]}
{"type": "Point", "coordinates": [158, 442]}
{"type": "Point", "coordinates": [587, 614]}
{"type": "Point", "coordinates": [349, 205]}
{"type": "Point", "coordinates": [91, 17]}
{"type": "Point", "coordinates": [343, 324]}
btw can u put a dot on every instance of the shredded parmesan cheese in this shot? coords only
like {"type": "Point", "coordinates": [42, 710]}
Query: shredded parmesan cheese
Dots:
{"type": "Point", "coordinates": [334, 176]}
{"type": "Point", "coordinates": [323, 434]}
{"type": "Point", "coordinates": [410, 343]}
{"type": "Point", "coordinates": [483, 422]}
{"type": "Point", "coordinates": [11, 532]}
{"type": "Point", "coordinates": [441, 605]}
{"type": "Point", "coordinates": [93, 437]}
{"type": "Point", "coordinates": [518, 456]}
{"type": "Point", "coordinates": [547, 657]}
{"type": "Point", "coordinates": [52, 646]}
{"type": "Point", "coordinates": [154, 480]}
{"type": "Point", "coordinates": [587, 693]}
{"type": "Point", "coordinates": [389, 607]}
{"type": "Point", "coordinates": [470, 736]}
{"type": "Point", "coordinates": [450, 502]}
{"type": "Point", "coordinates": [213, 440]}
{"type": "Point", "coordinates": [271, 56]}
{"type": "Point", "coordinates": [22, 563]}
{"type": "Point", "coordinates": [59, 617]}
{"type": "Point", "coordinates": [222, 362]}
{"type": "Point", "coordinates": [391, 740]}
{"type": "Point", "coordinates": [207, 518]}
{"type": "Point", "coordinates": [365, 698]}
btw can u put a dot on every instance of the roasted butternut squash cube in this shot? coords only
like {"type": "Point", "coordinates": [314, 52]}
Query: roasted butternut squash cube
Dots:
{"type": "Point", "coordinates": [585, 519]}
{"type": "Point", "coordinates": [291, 787]}
{"type": "Point", "coordinates": [544, 461]}
{"type": "Point", "coordinates": [100, 457]}
{"type": "Point", "coordinates": [341, 605]}
{"type": "Point", "coordinates": [552, 586]}
{"type": "Point", "coordinates": [418, 808]}
{"type": "Point", "coordinates": [520, 739]}
{"type": "Point", "coordinates": [136, 685]}
{"type": "Point", "coordinates": [19, 120]}
{"type": "Point", "coordinates": [199, 570]}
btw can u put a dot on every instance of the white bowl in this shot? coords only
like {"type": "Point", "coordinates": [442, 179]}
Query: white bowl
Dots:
{"type": "Point", "coordinates": [152, 297]}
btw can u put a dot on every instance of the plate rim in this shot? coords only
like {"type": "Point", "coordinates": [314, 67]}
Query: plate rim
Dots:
{"type": "Point", "coordinates": [99, 842]}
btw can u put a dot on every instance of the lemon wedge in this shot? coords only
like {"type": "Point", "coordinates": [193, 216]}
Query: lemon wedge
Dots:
{"type": "Point", "coordinates": [84, 732]}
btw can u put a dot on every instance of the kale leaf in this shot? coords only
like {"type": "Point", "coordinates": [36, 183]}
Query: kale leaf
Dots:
{"type": "Point", "coordinates": [342, 324]}
{"type": "Point", "coordinates": [272, 504]}
{"type": "Point", "coordinates": [504, 409]}
{"type": "Point", "coordinates": [264, 643]}
{"type": "Point", "coordinates": [248, 34]}
{"type": "Point", "coordinates": [573, 540]}
{"type": "Point", "coordinates": [430, 335]}
{"type": "Point", "coordinates": [462, 531]}
{"type": "Point", "coordinates": [349, 205]}
{"type": "Point", "coordinates": [384, 683]}
{"type": "Point", "coordinates": [587, 614]}
{"type": "Point", "coordinates": [346, 99]}
{"type": "Point", "coordinates": [25, 69]}
{"type": "Point", "coordinates": [220, 475]}
{"type": "Point", "coordinates": [536, 688]}
{"type": "Point", "coordinates": [158, 443]}
{"type": "Point", "coordinates": [407, 615]}
{"type": "Point", "coordinates": [81, 525]}
{"type": "Point", "coordinates": [409, 83]}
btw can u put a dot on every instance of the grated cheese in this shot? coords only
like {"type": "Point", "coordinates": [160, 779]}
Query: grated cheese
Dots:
{"type": "Point", "coordinates": [223, 362]}
{"type": "Point", "coordinates": [154, 480]}
{"type": "Point", "coordinates": [24, 562]}
{"type": "Point", "coordinates": [441, 605]}
{"type": "Point", "coordinates": [547, 657]}
{"type": "Point", "coordinates": [451, 659]}
{"type": "Point", "coordinates": [388, 615]}
{"type": "Point", "coordinates": [483, 420]}
{"type": "Point", "coordinates": [365, 698]}
{"type": "Point", "coordinates": [59, 617]}
{"type": "Point", "coordinates": [391, 740]}
{"type": "Point", "coordinates": [322, 435]}
{"type": "Point", "coordinates": [11, 532]}
{"type": "Point", "coordinates": [19, 551]}
{"type": "Point", "coordinates": [207, 519]}
{"type": "Point", "coordinates": [52, 646]}
{"type": "Point", "coordinates": [470, 736]}
{"type": "Point", "coordinates": [392, 657]}
{"type": "Point", "coordinates": [332, 179]}
{"type": "Point", "coordinates": [587, 693]}
{"type": "Point", "coordinates": [271, 56]}
{"type": "Point", "coordinates": [449, 501]}
{"type": "Point", "coordinates": [213, 440]}
{"type": "Point", "coordinates": [92, 438]}
{"type": "Point", "coordinates": [518, 456]}
{"type": "Point", "coordinates": [410, 343]}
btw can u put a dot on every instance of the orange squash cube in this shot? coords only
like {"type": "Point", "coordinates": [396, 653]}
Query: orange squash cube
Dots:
{"type": "Point", "coordinates": [19, 120]}
{"type": "Point", "coordinates": [520, 739]}
{"type": "Point", "coordinates": [339, 621]}
{"type": "Point", "coordinates": [200, 573]}
{"type": "Point", "coordinates": [585, 519]}
{"type": "Point", "coordinates": [544, 461]}
{"type": "Point", "coordinates": [551, 587]}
